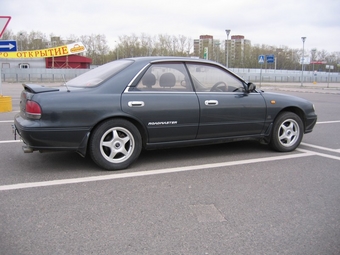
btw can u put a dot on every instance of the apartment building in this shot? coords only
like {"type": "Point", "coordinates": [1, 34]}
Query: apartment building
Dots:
{"type": "Point", "coordinates": [209, 48]}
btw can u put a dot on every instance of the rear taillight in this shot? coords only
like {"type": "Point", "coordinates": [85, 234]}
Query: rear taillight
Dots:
{"type": "Point", "coordinates": [33, 110]}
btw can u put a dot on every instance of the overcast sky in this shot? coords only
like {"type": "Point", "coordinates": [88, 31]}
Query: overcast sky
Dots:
{"type": "Point", "coordinates": [270, 22]}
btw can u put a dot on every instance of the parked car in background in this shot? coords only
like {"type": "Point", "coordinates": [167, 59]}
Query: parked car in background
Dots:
{"type": "Point", "coordinates": [114, 111]}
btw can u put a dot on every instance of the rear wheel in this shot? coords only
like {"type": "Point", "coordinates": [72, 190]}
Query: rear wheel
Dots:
{"type": "Point", "coordinates": [115, 144]}
{"type": "Point", "coordinates": [287, 132]}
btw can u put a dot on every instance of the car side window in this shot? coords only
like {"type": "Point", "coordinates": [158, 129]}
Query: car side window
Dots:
{"type": "Point", "coordinates": [208, 78]}
{"type": "Point", "coordinates": [165, 77]}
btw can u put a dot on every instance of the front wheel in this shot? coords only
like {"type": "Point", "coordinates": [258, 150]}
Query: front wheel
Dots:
{"type": "Point", "coordinates": [287, 132]}
{"type": "Point", "coordinates": [115, 144]}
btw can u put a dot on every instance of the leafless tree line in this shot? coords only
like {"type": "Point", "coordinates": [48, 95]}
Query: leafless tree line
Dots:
{"type": "Point", "coordinates": [100, 52]}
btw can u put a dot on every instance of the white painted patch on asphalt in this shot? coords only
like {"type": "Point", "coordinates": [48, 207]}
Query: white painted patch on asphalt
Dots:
{"type": "Point", "coordinates": [207, 213]}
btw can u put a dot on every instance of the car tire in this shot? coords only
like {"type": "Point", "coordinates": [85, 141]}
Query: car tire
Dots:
{"type": "Point", "coordinates": [287, 132]}
{"type": "Point", "coordinates": [115, 144]}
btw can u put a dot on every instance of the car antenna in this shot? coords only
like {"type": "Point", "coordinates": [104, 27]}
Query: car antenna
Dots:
{"type": "Point", "coordinates": [65, 83]}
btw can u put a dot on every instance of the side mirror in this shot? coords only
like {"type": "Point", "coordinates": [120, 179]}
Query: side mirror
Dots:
{"type": "Point", "coordinates": [251, 87]}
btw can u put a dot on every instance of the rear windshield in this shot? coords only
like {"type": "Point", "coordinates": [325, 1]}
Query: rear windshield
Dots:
{"type": "Point", "coordinates": [98, 74]}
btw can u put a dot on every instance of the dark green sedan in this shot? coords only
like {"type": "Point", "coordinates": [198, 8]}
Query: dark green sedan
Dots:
{"type": "Point", "coordinates": [114, 111]}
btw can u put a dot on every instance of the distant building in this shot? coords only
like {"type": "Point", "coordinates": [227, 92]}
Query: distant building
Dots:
{"type": "Point", "coordinates": [237, 47]}
{"type": "Point", "coordinates": [207, 47]}
{"type": "Point", "coordinates": [71, 61]}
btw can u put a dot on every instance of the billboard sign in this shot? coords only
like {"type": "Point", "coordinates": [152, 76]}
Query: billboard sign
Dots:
{"type": "Point", "coordinates": [59, 51]}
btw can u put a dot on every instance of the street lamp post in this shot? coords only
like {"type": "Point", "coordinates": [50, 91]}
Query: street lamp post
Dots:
{"type": "Point", "coordinates": [227, 55]}
{"type": "Point", "coordinates": [117, 49]}
{"type": "Point", "coordinates": [313, 59]}
{"type": "Point", "coordinates": [20, 35]}
{"type": "Point", "coordinates": [303, 58]}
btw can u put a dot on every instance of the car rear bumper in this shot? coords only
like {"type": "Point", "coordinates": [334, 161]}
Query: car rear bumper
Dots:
{"type": "Point", "coordinates": [50, 139]}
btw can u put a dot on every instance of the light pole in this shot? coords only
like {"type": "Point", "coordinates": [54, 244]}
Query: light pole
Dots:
{"type": "Point", "coordinates": [20, 35]}
{"type": "Point", "coordinates": [313, 59]}
{"type": "Point", "coordinates": [303, 58]}
{"type": "Point", "coordinates": [117, 49]}
{"type": "Point", "coordinates": [227, 55]}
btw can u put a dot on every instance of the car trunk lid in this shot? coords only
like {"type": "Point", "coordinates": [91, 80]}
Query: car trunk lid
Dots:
{"type": "Point", "coordinates": [27, 95]}
{"type": "Point", "coordinates": [35, 88]}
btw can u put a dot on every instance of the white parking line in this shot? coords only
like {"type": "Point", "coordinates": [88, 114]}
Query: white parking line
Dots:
{"type": "Point", "coordinates": [320, 154]}
{"type": "Point", "coordinates": [328, 122]}
{"type": "Point", "coordinates": [321, 148]}
{"type": "Point", "coordinates": [11, 141]}
{"type": "Point", "coordinates": [304, 153]}
{"type": "Point", "coordinates": [151, 172]}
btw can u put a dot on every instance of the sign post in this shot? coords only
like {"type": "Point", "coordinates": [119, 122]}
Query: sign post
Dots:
{"type": "Point", "coordinates": [261, 61]}
{"type": "Point", "coordinates": [329, 67]}
{"type": "Point", "coordinates": [315, 74]}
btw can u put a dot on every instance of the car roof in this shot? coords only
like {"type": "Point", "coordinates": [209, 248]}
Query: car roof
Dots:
{"type": "Point", "coordinates": [153, 59]}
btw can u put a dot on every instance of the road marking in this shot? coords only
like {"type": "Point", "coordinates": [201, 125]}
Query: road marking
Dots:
{"type": "Point", "coordinates": [304, 153]}
{"type": "Point", "coordinates": [328, 122]}
{"type": "Point", "coordinates": [321, 148]}
{"type": "Point", "coordinates": [11, 141]}
{"type": "Point", "coordinates": [151, 172]}
{"type": "Point", "coordinates": [6, 121]}
{"type": "Point", "coordinates": [320, 154]}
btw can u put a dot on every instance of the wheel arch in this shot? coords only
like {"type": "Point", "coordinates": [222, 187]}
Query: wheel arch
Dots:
{"type": "Point", "coordinates": [295, 110]}
{"type": "Point", "coordinates": [286, 137]}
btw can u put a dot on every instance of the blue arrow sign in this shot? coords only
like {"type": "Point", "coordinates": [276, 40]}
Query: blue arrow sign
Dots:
{"type": "Point", "coordinates": [8, 46]}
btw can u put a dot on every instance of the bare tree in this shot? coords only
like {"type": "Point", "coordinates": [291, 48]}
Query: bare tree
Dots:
{"type": "Point", "coordinates": [165, 45]}
{"type": "Point", "coordinates": [96, 48]}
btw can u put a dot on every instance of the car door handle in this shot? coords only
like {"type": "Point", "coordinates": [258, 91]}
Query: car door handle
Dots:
{"type": "Point", "coordinates": [211, 102]}
{"type": "Point", "coordinates": [136, 103]}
